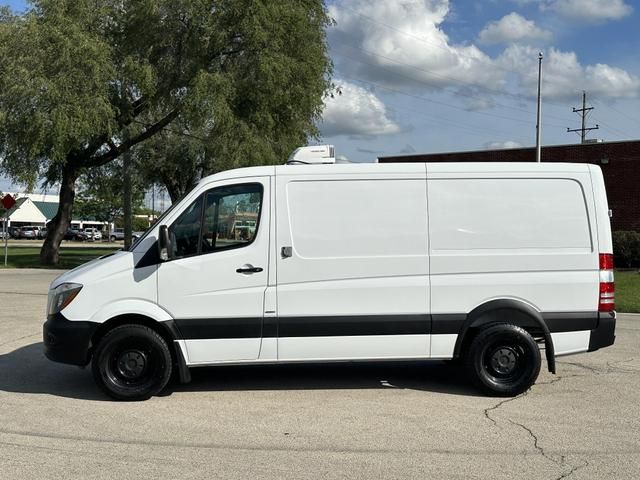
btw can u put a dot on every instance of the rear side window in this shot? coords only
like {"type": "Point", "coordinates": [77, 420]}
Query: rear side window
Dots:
{"type": "Point", "coordinates": [358, 218]}
{"type": "Point", "coordinates": [499, 213]}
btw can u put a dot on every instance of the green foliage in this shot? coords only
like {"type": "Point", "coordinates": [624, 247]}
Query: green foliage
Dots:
{"type": "Point", "coordinates": [82, 81]}
{"type": "Point", "coordinates": [139, 224]}
{"type": "Point", "coordinates": [626, 248]}
{"type": "Point", "coordinates": [101, 193]}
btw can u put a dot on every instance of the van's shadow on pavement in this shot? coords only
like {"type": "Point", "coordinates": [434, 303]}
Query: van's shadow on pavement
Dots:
{"type": "Point", "coordinates": [26, 370]}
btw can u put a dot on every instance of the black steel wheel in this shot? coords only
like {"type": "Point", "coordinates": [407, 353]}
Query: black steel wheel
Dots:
{"type": "Point", "coordinates": [503, 360]}
{"type": "Point", "coordinates": [132, 362]}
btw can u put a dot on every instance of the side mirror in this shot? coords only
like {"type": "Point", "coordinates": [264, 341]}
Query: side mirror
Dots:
{"type": "Point", "coordinates": [164, 243]}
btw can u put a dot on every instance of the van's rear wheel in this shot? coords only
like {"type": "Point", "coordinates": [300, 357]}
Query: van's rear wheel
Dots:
{"type": "Point", "coordinates": [503, 360]}
{"type": "Point", "coordinates": [132, 362]}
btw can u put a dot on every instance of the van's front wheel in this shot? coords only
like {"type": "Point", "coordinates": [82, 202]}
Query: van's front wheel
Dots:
{"type": "Point", "coordinates": [503, 360]}
{"type": "Point", "coordinates": [132, 362]}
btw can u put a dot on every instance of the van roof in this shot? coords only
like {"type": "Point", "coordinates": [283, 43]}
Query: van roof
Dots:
{"type": "Point", "coordinates": [398, 168]}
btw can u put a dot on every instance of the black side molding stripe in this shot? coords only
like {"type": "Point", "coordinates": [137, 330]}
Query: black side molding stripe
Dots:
{"type": "Point", "coordinates": [570, 322]}
{"type": "Point", "coordinates": [212, 328]}
{"type": "Point", "coordinates": [447, 323]}
{"type": "Point", "coordinates": [350, 325]}
{"type": "Point", "coordinates": [354, 325]}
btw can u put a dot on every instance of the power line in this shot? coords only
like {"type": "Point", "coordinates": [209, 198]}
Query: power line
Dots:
{"type": "Point", "coordinates": [461, 82]}
{"type": "Point", "coordinates": [437, 102]}
{"type": "Point", "coordinates": [611, 107]}
{"type": "Point", "coordinates": [613, 130]}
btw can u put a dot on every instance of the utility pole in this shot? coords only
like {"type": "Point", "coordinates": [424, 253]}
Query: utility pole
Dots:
{"type": "Point", "coordinates": [583, 112]}
{"type": "Point", "coordinates": [127, 210]}
{"type": "Point", "coordinates": [538, 124]}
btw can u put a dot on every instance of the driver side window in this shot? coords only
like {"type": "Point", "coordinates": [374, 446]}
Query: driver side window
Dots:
{"type": "Point", "coordinates": [230, 220]}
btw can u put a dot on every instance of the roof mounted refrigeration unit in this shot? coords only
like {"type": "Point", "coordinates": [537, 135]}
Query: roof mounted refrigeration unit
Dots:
{"type": "Point", "coordinates": [313, 155]}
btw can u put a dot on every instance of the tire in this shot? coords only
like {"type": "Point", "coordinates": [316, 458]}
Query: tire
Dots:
{"type": "Point", "coordinates": [113, 238]}
{"type": "Point", "coordinates": [132, 362]}
{"type": "Point", "coordinates": [503, 360]}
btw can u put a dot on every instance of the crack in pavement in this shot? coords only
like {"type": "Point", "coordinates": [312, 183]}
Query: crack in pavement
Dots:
{"type": "Point", "coordinates": [573, 469]}
{"type": "Point", "coordinates": [561, 462]}
{"type": "Point", "coordinates": [499, 404]}
{"type": "Point", "coordinates": [610, 367]}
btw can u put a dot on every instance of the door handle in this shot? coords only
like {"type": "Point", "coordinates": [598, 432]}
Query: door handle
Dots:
{"type": "Point", "coordinates": [248, 269]}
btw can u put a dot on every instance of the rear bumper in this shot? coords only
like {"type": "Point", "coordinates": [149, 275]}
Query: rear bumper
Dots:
{"type": "Point", "coordinates": [604, 334]}
{"type": "Point", "coordinates": [67, 341]}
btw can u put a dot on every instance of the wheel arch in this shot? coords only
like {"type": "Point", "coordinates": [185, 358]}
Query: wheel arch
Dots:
{"type": "Point", "coordinates": [511, 311]}
{"type": "Point", "coordinates": [168, 330]}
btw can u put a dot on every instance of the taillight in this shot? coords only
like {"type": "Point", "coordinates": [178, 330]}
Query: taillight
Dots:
{"type": "Point", "coordinates": [606, 299]}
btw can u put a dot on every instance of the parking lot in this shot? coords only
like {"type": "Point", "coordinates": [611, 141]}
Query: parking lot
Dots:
{"type": "Point", "coordinates": [321, 421]}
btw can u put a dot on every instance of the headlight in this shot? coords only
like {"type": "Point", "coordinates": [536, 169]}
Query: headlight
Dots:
{"type": "Point", "coordinates": [62, 296]}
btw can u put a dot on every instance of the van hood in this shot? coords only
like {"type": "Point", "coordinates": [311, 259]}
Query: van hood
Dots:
{"type": "Point", "coordinates": [98, 268]}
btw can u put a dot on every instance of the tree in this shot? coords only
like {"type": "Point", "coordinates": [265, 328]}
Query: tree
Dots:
{"type": "Point", "coordinates": [100, 193]}
{"type": "Point", "coordinates": [84, 81]}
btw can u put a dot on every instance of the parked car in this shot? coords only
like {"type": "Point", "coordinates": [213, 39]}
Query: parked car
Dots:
{"type": "Point", "coordinates": [93, 234]}
{"type": "Point", "coordinates": [29, 232]}
{"type": "Point", "coordinates": [480, 262]}
{"type": "Point", "coordinates": [14, 232]}
{"type": "Point", "coordinates": [117, 234]}
{"type": "Point", "coordinates": [4, 234]}
{"type": "Point", "coordinates": [74, 234]}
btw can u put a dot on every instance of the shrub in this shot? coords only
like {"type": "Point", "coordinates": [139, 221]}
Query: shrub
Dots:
{"type": "Point", "coordinates": [626, 249]}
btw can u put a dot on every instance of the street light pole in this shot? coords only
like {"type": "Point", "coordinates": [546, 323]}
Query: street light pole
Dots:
{"type": "Point", "coordinates": [539, 113]}
{"type": "Point", "coordinates": [538, 120]}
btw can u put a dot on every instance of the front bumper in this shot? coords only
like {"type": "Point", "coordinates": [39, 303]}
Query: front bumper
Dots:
{"type": "Point", "coordinates": [67, 341]}
{"type": "Point", "coordinates": [605, 333]}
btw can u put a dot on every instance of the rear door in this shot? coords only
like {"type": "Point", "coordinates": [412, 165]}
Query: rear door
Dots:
{"type": "Point", "coordinates": [352, 265]}
{"type": "Point", "coordinates": [214, 287]}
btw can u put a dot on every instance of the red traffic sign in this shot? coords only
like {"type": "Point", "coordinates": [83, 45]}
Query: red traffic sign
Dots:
{"type": "Point", "coordinates": [8, 201]}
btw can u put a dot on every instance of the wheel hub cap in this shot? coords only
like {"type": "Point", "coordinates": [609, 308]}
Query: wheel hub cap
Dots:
{"type": "Point", "coordinates": [504, 360]}
{"type": "Point", "coordinates": [132, 364]}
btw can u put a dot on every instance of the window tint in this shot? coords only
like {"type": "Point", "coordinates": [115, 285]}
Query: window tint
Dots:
{"type": "Point", "coordinates": [185, 231]}
{"type": "Point", "coordinates": [231, 216]}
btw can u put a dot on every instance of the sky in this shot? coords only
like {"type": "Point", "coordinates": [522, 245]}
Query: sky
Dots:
{"type": "Point", "coordinates": [452, 75]}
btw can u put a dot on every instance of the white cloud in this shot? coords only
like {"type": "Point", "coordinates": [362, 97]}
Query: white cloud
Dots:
{"type": "Point", "coordinates": [401, 43]}
{"type": "Point", "coordinates": [512, 28]}
{"type": "Point", "coordinates": [356, 112]}
{"type": "Point", "coordinates": [563, 76]}
{"type": "Point", "coordinates": [502, 145]}
{"type": "Point", "coordinates": [590, 10]}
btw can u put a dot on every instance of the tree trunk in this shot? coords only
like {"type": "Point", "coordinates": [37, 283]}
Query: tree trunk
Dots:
{"type": "Point", "coordinates": [49, 253]}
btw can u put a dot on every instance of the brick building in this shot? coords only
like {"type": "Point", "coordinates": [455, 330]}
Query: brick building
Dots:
{"type": "Point", "coordinates": [620, 163]}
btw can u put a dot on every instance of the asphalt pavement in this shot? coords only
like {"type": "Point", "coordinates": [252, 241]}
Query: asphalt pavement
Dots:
{"type": "Point", "coordinates": [363, 421]}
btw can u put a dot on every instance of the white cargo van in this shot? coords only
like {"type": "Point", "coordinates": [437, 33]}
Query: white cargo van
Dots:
{"type": "Point", "coordinates": [482, 262]}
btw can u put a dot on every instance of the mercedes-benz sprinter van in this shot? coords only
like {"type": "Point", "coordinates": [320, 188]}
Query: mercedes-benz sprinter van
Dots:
{"type": "Point", "coordinates": [488, 263]}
